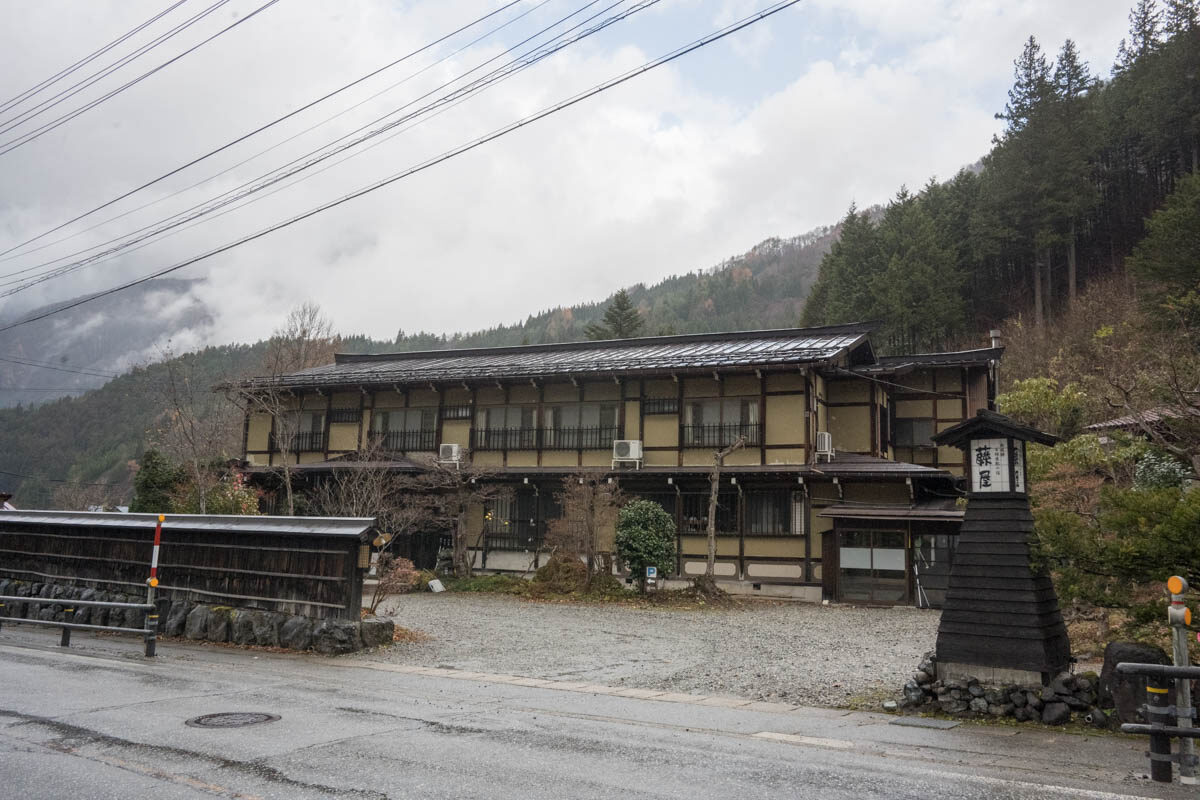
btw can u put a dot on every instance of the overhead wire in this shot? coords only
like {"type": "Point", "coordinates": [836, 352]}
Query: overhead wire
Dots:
{"type": "Point", "coordinates": [17, 99]}
{"type": "Point", "coordinates": [58, 480]}
{"type": "Point", "coordinates": [26, 138]}
{"type": "Point", "coordinates": [104, 72]}
{"type": "Point", "coordinates": [427, 164]}
{"type": "Point", "coordinates": [44, 365]}
{"type": "Point", "coordinates": [316, 156]}
{"type": "Point", "coordinates": [260, 129]}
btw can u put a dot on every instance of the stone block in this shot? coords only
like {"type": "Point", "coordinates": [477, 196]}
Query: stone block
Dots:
{"type": "Point", "coordinates": [196, 626]}
{"type": "Point", "coordinates": [266, 628]}
{"type": "Point", "coordinates": [334, 637]}
{"type": "Point", "coordinates": [241, 628]}
{"type": "Point", "coordinates": [296, 633]}
{"type": "Point", "coordinates": [176, 619]}
{"type": "Point", "coordinates": [1127, 693]}
{"type": "Point", "coordinates": [1056, 714]}
{"type": "Point", "coordinates": [375, 632]}
{"type": "Point", "coordinates": [219, 621]}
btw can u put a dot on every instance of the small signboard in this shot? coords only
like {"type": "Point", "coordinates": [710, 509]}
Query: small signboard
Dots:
{"type": "Point", "coordinates": [652, 577]}
{"type": "Point", "coordinates": [989, 465]}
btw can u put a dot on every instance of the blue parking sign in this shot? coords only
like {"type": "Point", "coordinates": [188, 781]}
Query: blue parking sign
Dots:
{"type": "Point", "coordinates": [651, 572]}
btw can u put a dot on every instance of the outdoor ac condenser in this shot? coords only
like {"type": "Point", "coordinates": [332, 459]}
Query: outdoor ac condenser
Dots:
{"type": "Point", "coordinates": [450, 453]}
{"type": "Point", "coordinates": [824, 445]}
{"type": "Point", "coordinates": [627, 451]}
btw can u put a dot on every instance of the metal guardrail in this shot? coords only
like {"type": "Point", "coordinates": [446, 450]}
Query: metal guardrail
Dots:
{"type": "Point", "coordinates": [149, 633]}
{"type": "Point", "coordinates": [1158, 680]}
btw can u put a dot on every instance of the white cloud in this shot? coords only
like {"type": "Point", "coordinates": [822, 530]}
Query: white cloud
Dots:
{"type": "Point", "coordinates": [829, 103]}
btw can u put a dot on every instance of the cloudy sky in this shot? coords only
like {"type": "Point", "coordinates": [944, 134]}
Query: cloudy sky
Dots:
{"type": "Point", "coordinates": [770, 132]}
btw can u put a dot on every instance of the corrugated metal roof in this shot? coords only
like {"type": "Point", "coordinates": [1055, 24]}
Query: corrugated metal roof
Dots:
{"type": "Point", "coordinates": [958, 358]}
{"type": "Point", "coordinates": [933, 511]}
{"type": "Point", "coordinates": [1149, 417]}
{"type": "Point", "coordinates": [793, 346]}
{"type": "Point", "coordinates": [283, 526]}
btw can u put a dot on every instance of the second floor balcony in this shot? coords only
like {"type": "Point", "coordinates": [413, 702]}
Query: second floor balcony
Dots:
{"type": "Point", "coordinates": [302, 442]}
{"type": "Point", "coordinates": [594, 438]}
{"type": "Point", "coordinates": [720, 435]}
{"type": "Point", "coordinates": [405, 441]}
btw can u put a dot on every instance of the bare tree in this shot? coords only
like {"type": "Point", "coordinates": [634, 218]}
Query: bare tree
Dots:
{"type": "Point", "coordinates": [714, 483]}
{"type": "Point", "coordinates": [590, 503]}
{"type": "Point", "coordinates": [305, 340]}
{"type": "Point", "coordinates": [196, 428]}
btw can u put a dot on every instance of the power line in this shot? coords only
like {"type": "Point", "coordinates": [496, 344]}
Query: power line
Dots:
{"type": "Point", "coordinates": [24, 139]}
{"type": "Point", "coordinates": [16, 100]}
{"type": "Point", "coordinates": [238, 193]}
{"type": "Point", "coordinates": [57, 480]}
{"type": "Point", "coordinates": [498, 133]}
{"type": "Point", "coordinates": [262, 128]}
{"type": "Point", "coordinates": [35, 364]}
{"type": "Point", "coordinates": [75, 88]}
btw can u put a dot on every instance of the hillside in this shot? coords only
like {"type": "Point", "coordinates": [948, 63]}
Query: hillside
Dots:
{"type": "Point", "coordinates": [88, 345]}
{"type": "Point", "coordinates": [55, 452]}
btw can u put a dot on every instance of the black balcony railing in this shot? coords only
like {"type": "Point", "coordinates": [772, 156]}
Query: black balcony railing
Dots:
{"type": "Point", "coordinates": [303, 442]}
{"type": "Point", "coordinates": [720, 435]}
{"type": "Point", "coordinates": [506, 439]}
{"type": "Point", "coordinates": [600, 438]}
{"type": "Point", "coordinates": [405, 441]}
{"type": "Point", "coordinates": [513, 535]}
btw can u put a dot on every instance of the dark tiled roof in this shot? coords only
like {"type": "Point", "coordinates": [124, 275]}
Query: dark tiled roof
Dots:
{"type": "Point", "coordinates": [657, 354]}
{"type": "Point", "coordinates": [851, 464]}
{"type": "Point", "coordinates": [906, 363]}
{"type": "Point", "coordinates": [1151, 416]}
{"type": "Point", "coordinates": [289, 526]}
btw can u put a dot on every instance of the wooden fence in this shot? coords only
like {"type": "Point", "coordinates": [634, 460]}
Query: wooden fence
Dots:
{"type": "Point", "coordinates": [295, 565]}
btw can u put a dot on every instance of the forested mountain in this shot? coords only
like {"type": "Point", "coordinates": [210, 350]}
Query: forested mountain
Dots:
{"type": "Point", "coordinates": [80, 450]}
{"type": "Point", "coordinates": [88, 345]}
{"type": "Point", "coordinates": [1060, 200]}
{"type": "Point", "coordinates": [1054, 208]}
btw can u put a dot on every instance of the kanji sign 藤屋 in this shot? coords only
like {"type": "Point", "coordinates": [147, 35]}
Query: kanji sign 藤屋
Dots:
{"type": "Point", "coordinates": [989, 466]}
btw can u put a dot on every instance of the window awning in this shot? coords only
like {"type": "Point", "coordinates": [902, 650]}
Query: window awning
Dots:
{"type": "Point", "coordinates": [933, 511]}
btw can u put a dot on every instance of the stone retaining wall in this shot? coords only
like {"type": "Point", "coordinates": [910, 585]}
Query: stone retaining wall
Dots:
{"type": "Point", "coordinates": [192, 620]}
{"type": "Point", "coordinates": [1054, 704]}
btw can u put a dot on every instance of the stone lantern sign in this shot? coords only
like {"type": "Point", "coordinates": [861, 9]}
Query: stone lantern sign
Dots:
{"type": "Point", "coordinates": [1001, 621]}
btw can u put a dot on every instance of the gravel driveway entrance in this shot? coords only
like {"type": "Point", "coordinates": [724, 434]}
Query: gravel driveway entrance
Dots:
{"type": "Point", "coordinates": [787, 652]}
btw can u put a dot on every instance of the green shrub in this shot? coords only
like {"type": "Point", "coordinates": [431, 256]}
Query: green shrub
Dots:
{"type": "Point", "coordinates": [645, 538]}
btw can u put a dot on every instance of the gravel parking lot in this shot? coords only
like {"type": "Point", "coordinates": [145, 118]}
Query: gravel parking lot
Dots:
{"type": "Point", "coordinates": [785, 652]}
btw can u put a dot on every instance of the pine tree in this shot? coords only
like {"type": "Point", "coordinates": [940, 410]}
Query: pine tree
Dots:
{"type": "Point", "coordinates": [1073, 189]}
{"type": "Point", "coordinates": [621, 320]}
{"type": "Point", "coordinates": [1031, 87]}
{"type": "Point", "coordinates": [1145, 29]}
{"type": "Point", "coordinates": [918, 294]}
{"type": "Point", "coordinates": [1182, 16]}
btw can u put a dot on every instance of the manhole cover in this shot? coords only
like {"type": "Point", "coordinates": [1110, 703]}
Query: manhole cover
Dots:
{"type": "Point", "coordinates": [231, 719]}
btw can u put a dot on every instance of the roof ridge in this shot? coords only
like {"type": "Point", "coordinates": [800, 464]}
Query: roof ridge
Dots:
{"type": "Point", "coordinates": [605, 344]}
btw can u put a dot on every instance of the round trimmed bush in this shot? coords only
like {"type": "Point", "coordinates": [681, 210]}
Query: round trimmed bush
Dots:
{"type": "Point", "coordinates": [645, 538]}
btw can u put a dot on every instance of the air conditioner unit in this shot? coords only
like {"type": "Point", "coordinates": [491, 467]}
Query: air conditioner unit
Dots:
{"type": "Point", "coordinates": [449, 453]}
{"type": "Point", "coordinates": [627, 451]}
{"type": "Point", "coordinates": [825, 445]}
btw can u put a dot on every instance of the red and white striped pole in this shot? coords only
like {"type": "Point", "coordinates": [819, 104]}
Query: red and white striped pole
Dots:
{"type": "Point", "coordinates": [151, 584]}
{"type": "Point", "coordinates": [153, 580]}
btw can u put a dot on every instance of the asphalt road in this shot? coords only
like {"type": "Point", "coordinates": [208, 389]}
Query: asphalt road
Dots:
{"type": "Point", "coordinates": [98, 721]}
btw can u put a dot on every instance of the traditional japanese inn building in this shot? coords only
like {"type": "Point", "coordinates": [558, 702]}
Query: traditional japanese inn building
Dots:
{"type": "Point", "coordinates": [838, 493]}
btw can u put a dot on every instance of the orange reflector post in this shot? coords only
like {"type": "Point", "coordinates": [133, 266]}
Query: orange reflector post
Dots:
{"type": "Point", "coordinates": [1176, 585]}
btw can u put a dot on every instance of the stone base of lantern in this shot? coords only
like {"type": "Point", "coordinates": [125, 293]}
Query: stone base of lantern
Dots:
{"type": "Point", "coordinates": [991, 676]}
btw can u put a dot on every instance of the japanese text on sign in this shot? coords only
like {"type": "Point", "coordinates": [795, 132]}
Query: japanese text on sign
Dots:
{"type": "Point", "coordinates": [989, 465]}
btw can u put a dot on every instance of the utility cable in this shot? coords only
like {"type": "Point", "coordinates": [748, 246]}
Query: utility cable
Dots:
{"type": "Point", "coordinates": [258, 130]}
{"type": "Point", "coordinates": [245, 161]}
{"type": "Point", "coordinates": [84, 371]}
{"type": "Point", "coordinates": [104, 72]}
{"type": "Point", "coordinates": [526, 60]}
{"type": "Point", "coordinates": [58, 480]}
{"type": "Point", "coordinates": [24, 139]}
{"type": "Point", "coordinates": [33, 90]}
{"type": "Point", "coordinates": [457, 151]}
